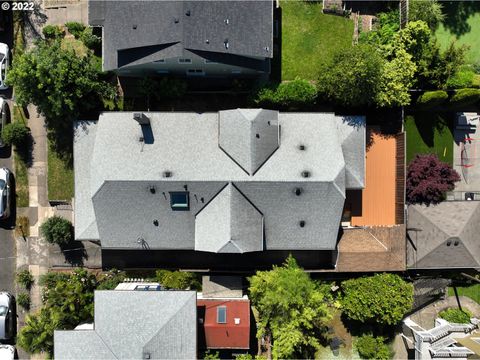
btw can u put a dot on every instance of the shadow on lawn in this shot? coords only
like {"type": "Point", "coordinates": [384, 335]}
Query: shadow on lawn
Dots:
{"type": "Point", "coordinates": [428, 122]}
{"type": "Point", "coordinates": [456, 15]}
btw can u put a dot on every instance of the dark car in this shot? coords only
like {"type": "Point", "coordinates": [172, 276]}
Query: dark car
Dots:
{"type": "Point", "coordinates": [7, 316]}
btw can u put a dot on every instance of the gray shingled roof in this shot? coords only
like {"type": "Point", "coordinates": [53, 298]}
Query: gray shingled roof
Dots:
{"type": "Point", "coordinates": [148, 28]}
{"type": "Point", "coordinates": [444, 235]}
{"type": "Point", "coordinates": [129, 324]}
{"type": "Point", "coordinates": [114, 176]}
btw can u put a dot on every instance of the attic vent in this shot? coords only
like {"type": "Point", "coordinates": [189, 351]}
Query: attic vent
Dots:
{"type": "Point", "coordinates": [134, 27]}
{"type": "Point", "coordinates": [141, 118]}
{"type": "Point", "coordinates": [302, 223]}
{"type": "Point", "coordinates": [187, 12]}
{"type": "Point", "coordinates": [297, 191]}
{"type": "Point", "coordinates": [306, 174]}
{"type": "Point", "coordinates": [176, 20]}
{"type": "Point", "coordinates": [152, 189]}
{"type": "Point", "coordinates": [226, 21]}
{"type": "Point", "coordinates": [225, 43]}
{"type": "Point", "coordinates": [167, 174]}
{"type": "Point", "coordinates": [301, 147]}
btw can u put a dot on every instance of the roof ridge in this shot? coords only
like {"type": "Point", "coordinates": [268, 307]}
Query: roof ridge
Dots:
{"type": "Point", "coordinates": [103, 341]}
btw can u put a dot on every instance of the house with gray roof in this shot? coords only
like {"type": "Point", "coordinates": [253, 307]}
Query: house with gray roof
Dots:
{"type": "Point", "coordinates": [227, 38]}
{"type": "Point", "coordinates": [444, 236]}
{"type": "Point", "coordinates": [134, 325]}
{"type": "Point", "coordinates": [233, 189]}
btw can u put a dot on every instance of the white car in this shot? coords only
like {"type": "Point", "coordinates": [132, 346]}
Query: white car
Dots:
{"type": "Point", "coordinates": [4, 193]}
{"type": "Point", "coordinates": [7, 352]}
{"type": "Point", "coordinates": [4, 62]}
{"type": "Point", "coordinates": [3, 118]}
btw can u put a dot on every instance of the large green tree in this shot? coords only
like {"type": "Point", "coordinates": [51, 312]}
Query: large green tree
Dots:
{"type": "Point", "coordinates": [352, 77]}
{"type": "Point", "coordinates": [61, 82]}
{"type": "Point", "coordinates": [429, 11]}
{"type": "Point", "coordinates": [380, 299]}
{"type": "Point", "coordinates": [292, 308]}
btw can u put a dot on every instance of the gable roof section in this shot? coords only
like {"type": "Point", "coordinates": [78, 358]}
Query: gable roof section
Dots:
{"type": "Point", "coordinates": [197, 25]}
{"type": "Point", "coordinates": [449, 230]}
{"type": "Point", "coordinates": [129, 324]}
{"type": "Point", "coordinates": [229, 223]}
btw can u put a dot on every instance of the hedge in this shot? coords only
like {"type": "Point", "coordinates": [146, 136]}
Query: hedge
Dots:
{"type": "Point", "coordinates": [465, 97]}
{"type": "Point", "coordinates": [292, 94]}
{"type": "Point", "coordinates": [432, 99]}
{"type": "Point", "coordinates": [15, 133]}
{"type": "Point", "coordinates": [456, 315]}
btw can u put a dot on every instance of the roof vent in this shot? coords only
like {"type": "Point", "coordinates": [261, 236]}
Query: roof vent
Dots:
{"type": "Point", "coordinates": [167, 174]}
{"type": "Point", "coordinates": [146, 355]}
{"type": "Point", "coordinates": [226, 21]}
{"type": "Point", "coordinates": [301, 147]}
{"type": "Point", "coordinates": [134, 26]}
{"type": "Point", "coordinates": [207, 41]}
{"type": "Point", "coordinates": [306, 174]}
{"type": "Point", "coordinates": [456, 242]}
{"type": "Point", "coordinates": [267, 49]}
{"type": "Point", "coordinates": [257, 136]}
{"type": "Point", "coordinates": [237, 321]}
{"type": "Point", "coordinates": [302, 223]}
{"type": "Point", "coordinates": [155, 222]}
{"type": "Point", "coordinates": [176, 20]}
{"type": "Point", "coordinates": [225, 43]}
{"type": "Point", "coordinates": [449, 242]}
{"type": "Point", "coordinates": [297, 191]}
{"type": "Point", "coordinates": [187, 13]}
{"type": "Point", "coordinates": [152, 189]}
{"type": "Point", "coordinates": [141, 118]}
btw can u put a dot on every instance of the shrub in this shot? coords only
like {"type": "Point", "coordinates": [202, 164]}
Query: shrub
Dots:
{"type": "Point", "coordinates": [57, 230]}
{"type": "Point", "coordinates": [428, 179]}
{"type": "Point", "coordinates": [180, 280]}
{"type": "Point", "coordinates": [292, 94]}
{"type": "Point", "coordinates": [53, 32]}
{"type": "Point", "coordinates": [25, 278]}
{"type": "Point", "coordinates": [75, 28]}
{"type": "Point", "coordinates": [91, 41]}
{"type": "Point", "coordinates": [23, 299]}
{"type": "Point", "coordinates": [111, 279]}
{"type": "Point", "coordinates": [456, 315]}
{"type": "Point", "coordinates": [432, 99]}
{"type": "Point", "coordinates": [461, 79]}
{"type": "Point", "coordinates": [15, 133]}
{"type": "Point", "coordinates": [370, 347]}
{"type": "Point", "coordinates": [171, 88]}
{"type": "Point", "coordinates": [465, 97]}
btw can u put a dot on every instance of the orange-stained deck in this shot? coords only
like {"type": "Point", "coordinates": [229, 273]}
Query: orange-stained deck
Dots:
{"type": "Point", "coordinates": [378, 199]}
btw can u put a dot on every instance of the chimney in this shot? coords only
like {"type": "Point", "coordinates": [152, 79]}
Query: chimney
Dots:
{"type": "Point", "coordinates": [141, 118]}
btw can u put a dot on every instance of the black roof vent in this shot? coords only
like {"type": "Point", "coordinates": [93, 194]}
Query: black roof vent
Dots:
{"type": "Point", "coordinates": [152, 189]}
{"type": "Point", "coordinates": [134, 26]}
{"type": "Point", "coordinates": [141, 118]}
{"type": "Point", "coordinates": [225, 43]}
{"type": "Point", "coordinates": [297, 191]}
{"type": "Point", "coordinates": [301, 147]}
{"type": "Point", "coordinates": [187, 12]}
{"type": "Point", "coordinates": [167, 174]}
{"type": "Point", "coordinates": [176, 20]}
{"type": "Point", "coordinates": [257, 136]}
{"type": "Point", "coordinates": [449, 242]}
{"type": "Point", "coordinates": [306, 174]}
{"type": "Point", "coordinates": [207, 41]}
{"type": "Point", "coordinates": [155, 222]}
{"type": "Point", "coordinates": [227, 21]}
{"type": "Point", "coordinates": [302, 223]}
{"type": "Point", "coordinates": [456, 242]}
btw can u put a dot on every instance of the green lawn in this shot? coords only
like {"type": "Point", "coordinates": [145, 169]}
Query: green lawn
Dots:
{"type": "Point", "coordinates": [472, 291]}
{"type": "Point", "coordinates": [310, 37]}
{"type": "Point", "coordinates": [60, 178]}
{"type": "Point", "coordinates": [429, 133]}
{"type": "Point", "coordinates": [462, 23]}
{"type": "Point", "coordinates": [21, 175]}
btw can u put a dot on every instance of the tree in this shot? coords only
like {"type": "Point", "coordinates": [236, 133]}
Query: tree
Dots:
{"type": "Point", "coordinates": [292, 310]}
{"type": "Point", "coordinates": [429, 11]}
{"type": "Point", "coordinates": [372, 348]}
{"type": "Point", "coordinates": [352, 77]}
{"type": "Point", "coordinates": [15, 133]}
{"type": "Point", "coordinates": [61, 83]}
{"type": "Point", "coordinates": [380, 299]}
{"type": "Point", "coordinates": [428, 179]}
{"type": "Point", "coordinates": [57, 230]}
{"type": "Point", "coordinates": [292, 94]}
{"type": "Point", "coordinates": [68, 302]}
{"type": "Point", "coordinates": [179, 280]}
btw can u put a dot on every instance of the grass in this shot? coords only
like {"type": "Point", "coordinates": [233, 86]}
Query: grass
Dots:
{"type": "Point", "coordinates": [429, 133]}
{"type": "Point", "coordinates": [472, 291]}
{"type": "Point", "coordinates": [310, 37]}
{"type": "Point", "coordinates": [462, 23]}
{"type": "Point", "coordinates": [23, 226]}
{"type": "Point", "coordinates": [60, 177]}
{"type": "Point", "coordinates": [21, 168]}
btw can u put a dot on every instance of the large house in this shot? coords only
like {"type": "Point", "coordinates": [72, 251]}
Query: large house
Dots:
{"type": "Point", "coordinates": [237, 189]}
{"type": "Point", "coordinates": [185, 38]}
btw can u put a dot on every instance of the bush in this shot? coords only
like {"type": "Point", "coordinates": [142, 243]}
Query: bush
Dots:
{"type": "Point", "coordinates": [75, 28]}
{"type": "Point", "coordinates": [23, 299]}
{"type": "Point", "coordinates": [53, 32]}
{"type": "Point", "coordinates": [180, 280]}
{"type": "Point", "coordinates": [370, 347]}
{"type": "Point", "coordinates": [91, 41]}
{"type": "Point", "coordinates": [432, 99]}
{"type": "Point", "coordinates": [15, 133]}
{"type": "Point", "coordinates": [25, 278]}
{"type": "Point", "coordinates": [428, 179]}
{"type": "Point", "coordinates": [111, 279]}
{"type": "Point", "coordinates": [292, 94]}
{"type": "Point", "coordinates": [171, 88]}
{"type": "Point", "coordinates": [465, 97]}
{"type": "Point", "coordinates": [461, 79]}
{"type": "Point", "coordinates": [57, 230]}
{"type": "Point", "coordinates": [456, 316]}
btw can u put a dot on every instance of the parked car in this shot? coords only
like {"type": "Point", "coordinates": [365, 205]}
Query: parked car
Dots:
{"type": "Point", "coordinates": [7, 352]}
{"type": "Point", "coordinates": [4, 193]}
{"type": "Point", "coordinates": [4, 63]}
{"type": "Point", "coordinates": [7, 316]}
{"type": "Point", "coordinates": [3, 118]}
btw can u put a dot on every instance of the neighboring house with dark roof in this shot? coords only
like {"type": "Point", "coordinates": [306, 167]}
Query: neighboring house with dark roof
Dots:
{"type": "Point", "coordinates": [134, 325]}
{"type": "Point", "coordinates": [190, 38]}
{"type": "Point", "coordinates": [235, 189]}
{"type": "Point", "coordinates": [444, 236]}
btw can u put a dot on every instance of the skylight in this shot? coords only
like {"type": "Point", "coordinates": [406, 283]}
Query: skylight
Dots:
{"type": "Point", "coordinates": [179, 201]}
{"type": "Point", "coordinates": [222, 314]}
